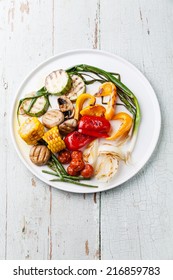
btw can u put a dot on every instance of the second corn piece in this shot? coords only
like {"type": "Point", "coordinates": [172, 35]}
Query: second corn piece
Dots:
{"type": "Point", "coordinates": [53, 139]}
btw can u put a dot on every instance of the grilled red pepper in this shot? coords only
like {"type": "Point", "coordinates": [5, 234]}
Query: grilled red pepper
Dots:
{"type": "Point", "coordinates": [76, 140]}
{"type": "Point", "coordinates": [94, 126]}
{"type": "Point", "coordinates": [93, 133]}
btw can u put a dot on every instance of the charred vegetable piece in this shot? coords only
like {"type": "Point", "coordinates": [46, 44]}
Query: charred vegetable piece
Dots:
{"type": "Point", "coordinates": [96, 110]}
{"type": "Point", "coordinates": [58, 82]}
{"type": "Point", "coordinates": [68, 126]}
{"type": "Point", "coordinates": [88, 171]}
{"type": "Point", "coordinates": [93, 133]}
{"type": "Point", "coordinates": [76, 140]}
{"type": "Point", "coordinates": [66, 106]}
{"type": "Point", "coordinates": [78, 87]}
{"type": "Point", "coordinates": [52, 118]}
{"type": "Point", "coordinates": [106, 167]}
{"type": "Point", "coordinates": [80, 102]}
{"type": "Point", "coordinates": [108, 89]}
{"type": "Point", "coordinates": [31, 131]}
{"type": "Point", "coordinates": [125, 127]}
{"type": "Point", "coordinates": [37, 108]}
{"type": "Point", "coordinates": [54, 141]}
{"type": "Point", "coordinates": [39, 155]}
{"type": "Point", "coordinates": [64, 157]}
{"type": "Point", "coordinates": [94, 124]}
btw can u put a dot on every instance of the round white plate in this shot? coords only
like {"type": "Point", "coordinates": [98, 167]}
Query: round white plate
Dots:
{"type": "Point", "coordinates": [130, 76]}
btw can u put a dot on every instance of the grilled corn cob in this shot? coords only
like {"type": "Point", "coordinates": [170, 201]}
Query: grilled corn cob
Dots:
{"type": "Point", "coordinates": [53, 139]}
{"type": "Point", "coordinates": [31, 131]}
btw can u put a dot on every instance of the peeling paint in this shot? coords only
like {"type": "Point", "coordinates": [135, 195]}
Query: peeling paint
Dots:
{"type": "Point", "coordinates": [33, 182]}
{"type": "Point", "coordinates": [84, 195]}
{"type": "Point", "coordinates": [96, 29]}
{"type": "Point", "coordinates": [95, 197]}
{"type": "Point", "coordinates": [86, 248]}
{"type": "Point", "coordinates": [11, 16]}
{"type": "Point", "coordinates": [140, 12]}
{"type": "Point", "coordinates": [24, 7]}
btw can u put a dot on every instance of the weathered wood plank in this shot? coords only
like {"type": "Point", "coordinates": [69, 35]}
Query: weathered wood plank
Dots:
{"type": "Point", "coordinates": [75, 217]}
{"type": "Point", "coordinates": [3, 148]}
{"type": "Point", "coordinates": [27, 199]}
{"type": "Point", "coordinates": [137, 218]}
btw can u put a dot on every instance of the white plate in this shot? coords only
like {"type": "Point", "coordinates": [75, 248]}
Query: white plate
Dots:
{"type": "Point", "coordinates": [130, 76]}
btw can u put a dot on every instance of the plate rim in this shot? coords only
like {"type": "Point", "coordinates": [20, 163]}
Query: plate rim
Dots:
{"type": "Point", "coordinates": [77, 51]}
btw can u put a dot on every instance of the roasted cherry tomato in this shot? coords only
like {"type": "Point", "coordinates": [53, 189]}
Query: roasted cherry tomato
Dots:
{"type": "Point", "coordinates": [76, 140]}
{"type": "Point", "coordinates": [88, 171]}
{"type": "Point", "coordinates": [77, 164]}
{"type": "Point", "coordinates": [76, 154]}
{"type": "Point", "coordinates": [64, 156]}
{"type": "Point", "coordinates": [71, 171]}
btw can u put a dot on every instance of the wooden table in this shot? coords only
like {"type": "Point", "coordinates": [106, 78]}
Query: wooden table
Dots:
{"type": "Point", "coordinates": [133, 221]}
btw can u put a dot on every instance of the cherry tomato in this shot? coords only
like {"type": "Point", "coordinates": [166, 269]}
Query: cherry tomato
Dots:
{"type": "Point", "coordinates": [77, 164]}
{"type": "Point", "coordinates": [88, 171]}
{"type": "Point", "coordinates": [71, 171]}
{"type": "Point", "coordinates": [76, 154]}
{"type": "Point", "coordinates": [64, 156]}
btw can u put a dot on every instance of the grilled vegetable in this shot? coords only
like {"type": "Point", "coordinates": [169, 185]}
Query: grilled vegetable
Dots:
{"type": "Point", "coordinates": [53, 139]}
{"type": "Point", "coordinates": [78, 87]}
{"type": "Point", "coordinates": [106, 167]}
{"type": "Point", "coordinates": [95, 110]}
{"type": "Point", "coordinates": [35, 107]}
{"type": "Point", "coordinates": [80, 101]}
{"type": "Point", "coordinates": [31, 131]}
{"type": "Point", "coordinates": [52, 118]}
{"type": "Point", "coordinates": [108, 89]}
{"type": "Point", "coordinates": [39, 155]}
{"type": "Point", "coordinates": [76, 140]}
{"type": "Point", "coordinates": [94, 126]}
{"type": "Point", "coordinates": [68, 126]}
{"type": "Point", "coordinates": [91, 152]}
{"type": "Point", "coordinates": [88, 171]}
{"type": "Point", "coordinates": [125, 127]}
{"type": "Point", "coordinates": [66, 106]}
{"type": "Point", "coordinates": [64, 157]}
{"type": "Point", "coordinates": [58, 82]}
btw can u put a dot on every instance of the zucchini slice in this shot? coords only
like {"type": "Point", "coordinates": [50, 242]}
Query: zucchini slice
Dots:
{"type": "Point", "coordinates": [78, 87]}
{"type": "Point", "coordinates": [58, 82]}
{"type": "Point", "coordinates": [39, 107]}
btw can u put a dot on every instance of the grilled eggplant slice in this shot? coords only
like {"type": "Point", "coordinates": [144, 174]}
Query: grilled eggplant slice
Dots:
{"type": "Point", "coordinates": [39, 108]}
{"type": "Point", "coordinates": [78, 87]}
{"type": "Point", "coordinates": [52, 118]}
{"type": "Point", "coordinates": [58, 82]}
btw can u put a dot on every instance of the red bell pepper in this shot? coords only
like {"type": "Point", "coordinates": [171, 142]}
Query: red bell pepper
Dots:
{"type": "Point", "coordinates": [94, 126]}
{"type": "Point", "coordinates": [76, 140]}
{"type": "Point", "coordinates": [93, 133]}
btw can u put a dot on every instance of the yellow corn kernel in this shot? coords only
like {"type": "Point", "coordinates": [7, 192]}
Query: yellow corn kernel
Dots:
{"type": "Point", "coordinates": [53, 139]}
{"type": "Point", "coordinates": [31, 131]}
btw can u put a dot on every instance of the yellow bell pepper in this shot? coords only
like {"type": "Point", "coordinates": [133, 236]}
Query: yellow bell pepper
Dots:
{"type": "Point", "coordinates": [95, 110]}
{"type": "Point", "coordinates": [125, 127]}
{"type": "Point", "coordinates": [80, 101]}
{"type": "Point", "coordinates": [108, 89]}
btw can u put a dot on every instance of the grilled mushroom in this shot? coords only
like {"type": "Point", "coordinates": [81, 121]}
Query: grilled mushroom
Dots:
{"type": "Point", "coordinates": [66, 106]}
{"type": "Point", "coordinates": [39, 155]}
{"type": "Point", "coordinates": [68, 126]}
{"type": "Point", "coordinates": [52, 118]}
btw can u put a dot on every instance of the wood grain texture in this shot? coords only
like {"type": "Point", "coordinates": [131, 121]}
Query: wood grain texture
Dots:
{"type": "Point", "coordinates": [75, 217]}
{"type": "Point", "coordinates": [133, 221]}
{"type": "Point", "coordinates": [136, 218]}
